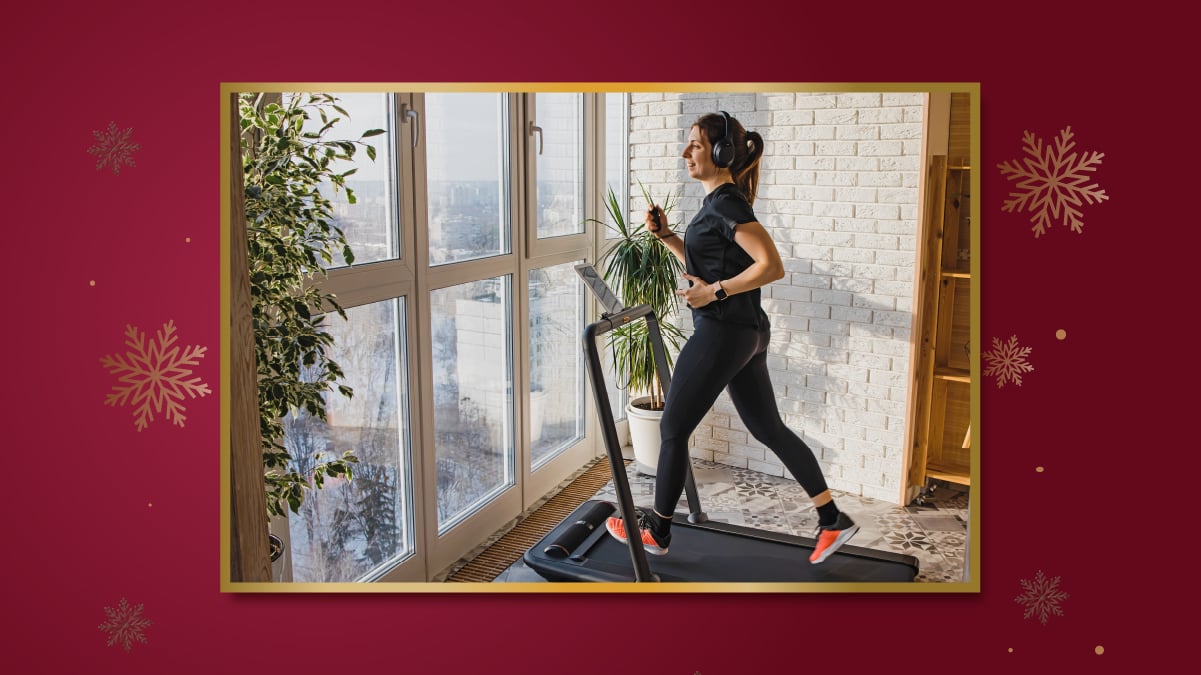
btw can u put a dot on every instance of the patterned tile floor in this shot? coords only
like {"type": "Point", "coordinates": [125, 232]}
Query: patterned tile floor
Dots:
{"type": "Point", "coordinates": [934, 533]}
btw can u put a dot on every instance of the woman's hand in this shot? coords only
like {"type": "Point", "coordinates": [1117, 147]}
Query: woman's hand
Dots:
{"type": "Point", "coordinates": [656, 222]}
{"type": "Point", "coordinates": [699, 293]}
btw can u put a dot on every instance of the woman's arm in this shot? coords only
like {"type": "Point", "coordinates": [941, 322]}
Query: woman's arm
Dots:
{"type": "Point", "coordinates": [767, 267]}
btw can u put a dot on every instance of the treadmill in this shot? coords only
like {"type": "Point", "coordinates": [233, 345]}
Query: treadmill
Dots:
{"type": "Point", "coordinates": [581, 549]}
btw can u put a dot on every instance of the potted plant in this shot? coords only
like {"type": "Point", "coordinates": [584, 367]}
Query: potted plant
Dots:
{"type": "Point", "coordinates": [642, 271]}
{"type": "Point", "coordinates": [293, 237]}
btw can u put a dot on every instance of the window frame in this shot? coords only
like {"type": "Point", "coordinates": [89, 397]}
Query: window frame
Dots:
{"type": "Point", "coordinates": [411, 276]}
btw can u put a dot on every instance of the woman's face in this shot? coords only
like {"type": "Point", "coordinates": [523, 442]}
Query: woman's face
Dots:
{"type": "Point", "coordinates": [698, 156]}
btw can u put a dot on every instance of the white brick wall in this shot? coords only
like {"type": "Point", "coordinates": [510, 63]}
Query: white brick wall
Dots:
{"type": "Point", "coordinates": [838, 192]}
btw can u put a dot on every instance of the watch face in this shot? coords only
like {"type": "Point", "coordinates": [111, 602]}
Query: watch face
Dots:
{"type": "Point", "coordinates": [721, 294]}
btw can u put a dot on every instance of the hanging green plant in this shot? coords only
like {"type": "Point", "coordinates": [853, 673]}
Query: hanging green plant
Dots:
{"type": "Point", "coordinates": [293, 237]}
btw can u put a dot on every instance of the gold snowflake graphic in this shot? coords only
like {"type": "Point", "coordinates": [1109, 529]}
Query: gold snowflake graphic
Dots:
{"type": "Point", "coordinates": [1041, 597]}
{"type": "Point", "coordinates": [154, 376]}
{"type": "Point", "coordinates": [1007, 361]}
{"type": "Point", "coordinates": [125, 625]}
{"type": "Point", "coordinates": [1053, 182]}
{"type": "Point", "coordinates": [113, 148]}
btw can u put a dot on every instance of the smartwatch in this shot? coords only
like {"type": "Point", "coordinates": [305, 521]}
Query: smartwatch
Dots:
{"type": "Point", "coordinates": [720, 293]}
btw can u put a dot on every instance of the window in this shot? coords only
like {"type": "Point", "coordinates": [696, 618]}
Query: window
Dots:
{"type": "Point", "coordinates": [473, 401]}
{"type": "Point", "coordinates": [560, 164]}
{"type": "Point", "coordinates": [617, 148]}
{"type": "Point", "coordinates": [349, 528]}
{"type": "Point", "coordinates": [468, 182]}
{"type": "Point", "coordinates": [461, 343]}
{"type": "Point", "coordinates": [371, 223]}
{"type": "Point", "coordinates": [556, 302]}
{"type": "Point", "coordinates": [617, 177]}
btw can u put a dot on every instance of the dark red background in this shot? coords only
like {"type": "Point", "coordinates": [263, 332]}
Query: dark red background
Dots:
{"type": "Point", "coordinates": [97, 511]}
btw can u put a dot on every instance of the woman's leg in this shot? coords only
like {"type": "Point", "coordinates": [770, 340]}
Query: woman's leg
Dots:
{"type": "Point", "coordinates": [709, 360]}
{"type": "Point", "coordinates": [755, 400]}
{"type": "Point", "coordinates": [711, 357]}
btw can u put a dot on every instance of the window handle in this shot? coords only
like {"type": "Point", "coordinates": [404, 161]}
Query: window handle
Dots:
{"type": "Point", "coordinates": [537, 130]}
{"type": "Point", "coordinates": [409, 112]}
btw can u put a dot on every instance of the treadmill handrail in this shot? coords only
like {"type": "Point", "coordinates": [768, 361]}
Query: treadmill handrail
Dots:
{"type": "Point", "coordinates": [609, 322]}
{"type": "Point", "coordinates": [621, 484]}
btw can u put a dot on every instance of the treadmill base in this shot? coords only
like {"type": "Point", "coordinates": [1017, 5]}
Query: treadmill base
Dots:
{"type": "Point", "coordinates": [580, 549]}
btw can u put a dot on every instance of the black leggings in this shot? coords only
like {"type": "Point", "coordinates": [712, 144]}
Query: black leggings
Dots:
{"type": "Point", "coordinates": [722, 355]}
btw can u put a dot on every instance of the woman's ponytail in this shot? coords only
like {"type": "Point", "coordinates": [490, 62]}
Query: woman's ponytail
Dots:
{"type": "Point", "coordinates": [745, 167]}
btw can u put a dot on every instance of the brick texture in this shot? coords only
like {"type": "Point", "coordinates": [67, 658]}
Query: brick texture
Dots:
{"type": "Point", "coordinates": [839, 194]}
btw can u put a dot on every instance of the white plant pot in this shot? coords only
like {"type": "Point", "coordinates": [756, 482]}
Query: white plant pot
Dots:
{"type": "Point", "coordinates": [644, 435]}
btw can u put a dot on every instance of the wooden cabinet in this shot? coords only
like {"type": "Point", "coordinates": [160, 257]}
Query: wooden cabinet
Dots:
{"type": "Point", "coordinates": [941, 427]}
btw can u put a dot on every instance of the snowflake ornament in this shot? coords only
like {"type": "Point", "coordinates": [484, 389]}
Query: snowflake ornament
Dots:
{"type": "Point", "coordinates": [124, 625]}
{"type": "Point", "coordinates": [1007, 361]}
{"type": "Point", "coordinates": [1041, 597]}
{"type": "Point", "coordinates": [113, 148]}
{"type": "Point", "coordinates": [154, 376]}
{"type": "Point", "coordinates": [1053, 183]}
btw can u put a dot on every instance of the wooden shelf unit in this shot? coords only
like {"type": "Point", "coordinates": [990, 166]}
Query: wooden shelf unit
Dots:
{"type": "Point", "coordinates": [942, 423]}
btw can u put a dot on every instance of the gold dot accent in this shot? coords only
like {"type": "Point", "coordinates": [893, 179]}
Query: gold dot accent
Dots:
{"type": "Point", "coordinates": [1061, 334]}
{"type": "Point", "coordinates": [1100, 650]}
{"type": "Point", "coordinates": [1011, 650]}
{"type": "Point", "coordinates": [92, 282]}
{"type": "Point", "coordinates": [187, 240]}
{"type": "Point", "coordinates": [149, 505]}
{"type": "Point", "coordinates": [1038, 469]}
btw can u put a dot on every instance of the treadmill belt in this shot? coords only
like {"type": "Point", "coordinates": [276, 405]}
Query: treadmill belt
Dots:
{"type": "Point", "coordinates": [709, 552]}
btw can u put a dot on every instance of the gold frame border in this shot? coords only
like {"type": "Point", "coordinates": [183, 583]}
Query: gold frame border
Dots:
{"type": "Point", "coordinates": [972, 549]}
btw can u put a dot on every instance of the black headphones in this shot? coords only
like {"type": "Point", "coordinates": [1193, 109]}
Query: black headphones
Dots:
{"type": "Point", "coordinates": [723, 148]}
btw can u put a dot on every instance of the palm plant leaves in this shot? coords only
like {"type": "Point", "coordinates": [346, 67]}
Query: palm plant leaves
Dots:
{"type": "Point", "coordinates": [642, 272]}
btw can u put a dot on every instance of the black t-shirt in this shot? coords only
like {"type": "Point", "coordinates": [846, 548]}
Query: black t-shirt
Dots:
{"type": "Point", "coordinates": [711, 254]}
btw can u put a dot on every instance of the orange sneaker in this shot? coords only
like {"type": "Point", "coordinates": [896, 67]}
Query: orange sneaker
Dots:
{"type": "Point", "coordinates": [831, 537]}
{"type": "Point", "coordinates": [653, 544]}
